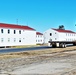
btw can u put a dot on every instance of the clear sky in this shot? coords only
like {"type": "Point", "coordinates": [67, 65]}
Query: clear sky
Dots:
{"type": "Point", "coordinates": [39, 14]}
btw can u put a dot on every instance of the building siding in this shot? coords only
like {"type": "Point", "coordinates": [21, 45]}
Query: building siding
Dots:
{"type": "Point", "coordinates": [39, 38]}
{"type": "Point", "coordinates": [59, 35]}
{"type": "Point", "coordinates": [27, 37]}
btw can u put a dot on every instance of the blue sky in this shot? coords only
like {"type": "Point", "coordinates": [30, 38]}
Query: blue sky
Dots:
{"type": "Point", "coordinates": [39, 14]}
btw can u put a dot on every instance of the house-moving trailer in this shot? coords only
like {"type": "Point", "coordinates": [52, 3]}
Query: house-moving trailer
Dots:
{"type": "Point", "coordinates": [59, 37]}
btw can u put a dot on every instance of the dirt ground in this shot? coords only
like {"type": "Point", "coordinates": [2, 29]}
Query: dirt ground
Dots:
{"type": "Point", "coordinates": [53, 61]}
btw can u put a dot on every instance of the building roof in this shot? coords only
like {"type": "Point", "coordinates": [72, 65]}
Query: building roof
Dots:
{"type": "Point", "coordinates": [13, 26]}
{"type": "Point", "coordinates": [64, 31]}
{"type": "Point", "coordinates": [38, 33]}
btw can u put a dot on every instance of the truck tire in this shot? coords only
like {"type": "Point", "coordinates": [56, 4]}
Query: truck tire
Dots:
{"type": "Point", "coordinates": [53, 45]}
{"type": "Point", "coordinates": [64, 45]}
{"type": "Point", "coordinates": [57, 44]}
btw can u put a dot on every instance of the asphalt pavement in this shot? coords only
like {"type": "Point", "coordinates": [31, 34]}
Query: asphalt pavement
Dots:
{"type": "Point", "coordinates": [9, 50]}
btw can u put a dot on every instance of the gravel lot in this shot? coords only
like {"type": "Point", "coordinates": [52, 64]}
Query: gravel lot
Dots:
{"type": "Point", "coordinates": [55, 61]}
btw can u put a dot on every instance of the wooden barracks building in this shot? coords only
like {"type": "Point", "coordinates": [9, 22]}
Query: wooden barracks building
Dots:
{"type": "Point", "coordinates": [15, 35]}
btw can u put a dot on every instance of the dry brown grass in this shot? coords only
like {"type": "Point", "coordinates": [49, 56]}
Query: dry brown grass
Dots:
{"type": "Point", "coordinates": [24, 46]}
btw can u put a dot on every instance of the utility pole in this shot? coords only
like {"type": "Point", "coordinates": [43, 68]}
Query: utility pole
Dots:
{"type": "Point", "coordinates": [17, 21]}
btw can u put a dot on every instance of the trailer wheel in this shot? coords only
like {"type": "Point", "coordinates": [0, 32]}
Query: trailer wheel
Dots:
{"type": "Point", "coordinates": [54, 46]}
{"type": "Point", "coordinates": [62, 45]}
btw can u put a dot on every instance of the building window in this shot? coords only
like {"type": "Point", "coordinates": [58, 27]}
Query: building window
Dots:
{"type": "Point", "coordinates": [55, 32]}
{"type": "Point", "coordinates": [14, 39]}
{"type": "Point", "coordinates": [8, 31]}
{"type": "Point", "coordinates": [19, 31]}
{"type": "Point", "coordinates": [14, 31]}
{"type": "Point", "coordinates": [72, 34]}
{"type": "Point", "coordinates": [8, 39]}
{"type": "Point", "coordinates": [36, 40]}
{"type": "Point", "coordinates": [38, 35]}
{"type": "Point", "coordinates": [23, 38]}
{"type": "Point", "coordinates": [1, 30]}
{"type": "Point", "coordinates": [1, 39]}
{"type": "Point", "coordinates": [55, 38]}
{"type": "Point", "coordinates": [19, 39]}
{"type": "Point", "coordinates": [50, 34]}
{"type": "Point", "coordinates": [41, 35]}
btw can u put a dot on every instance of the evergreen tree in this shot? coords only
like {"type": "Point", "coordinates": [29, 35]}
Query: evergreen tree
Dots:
{"type": "Point", "coordinates": [61, 27]}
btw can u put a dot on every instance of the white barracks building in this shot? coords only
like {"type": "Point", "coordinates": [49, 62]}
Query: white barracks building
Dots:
{"type": "Point", "coordinates": [59, 35]}
{"type": "Point", "coordinates": [39, 38]}
{"type": "Point", "coordinates": [13, 35]}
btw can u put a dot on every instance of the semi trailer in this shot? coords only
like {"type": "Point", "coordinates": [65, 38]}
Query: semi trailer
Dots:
{"type": "Point", "coordinates": [61, 44]}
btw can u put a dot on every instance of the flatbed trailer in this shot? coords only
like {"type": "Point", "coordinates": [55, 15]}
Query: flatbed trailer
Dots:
{"type": "Point", "coordinates": [61, 44]}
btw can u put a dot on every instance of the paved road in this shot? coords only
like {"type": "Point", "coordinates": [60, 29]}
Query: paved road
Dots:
{"type": "Point", "coordinates": [8, 50]}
